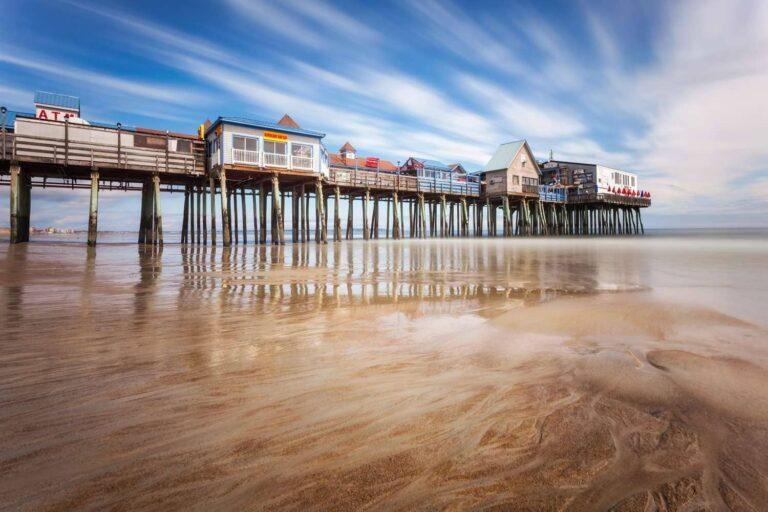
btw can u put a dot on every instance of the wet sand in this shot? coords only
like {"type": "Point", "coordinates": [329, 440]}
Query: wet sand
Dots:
{"type": "Point", "coordinates": [497, 375]}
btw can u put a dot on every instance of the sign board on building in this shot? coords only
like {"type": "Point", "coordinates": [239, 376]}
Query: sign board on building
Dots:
{"type": "Point", "coordinates": [275, 137]}
{"type": "Point", "coordinates": [371, 161]}
{"type": "Point", "coordinates": [47, 113]}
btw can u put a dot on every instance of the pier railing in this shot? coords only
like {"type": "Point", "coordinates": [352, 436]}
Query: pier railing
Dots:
{"type": "Point", "coordinates": [617, 199]}
{"type": "Point", "coordinates": [29, 148]}
{"type": "Point", "coordinates": [392, 181]}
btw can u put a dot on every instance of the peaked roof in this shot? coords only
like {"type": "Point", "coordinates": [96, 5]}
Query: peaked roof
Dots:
{"type": "Point", "coordinates": [287, 120]}
{"type": "Point", "coordinates": [347, 147]}
{"type": "Point", "coordinates": [504, 155]}
{"type": "Point", "coordinates": [57, 100]}
{"type": "Point", "coordinates": [360, 163]}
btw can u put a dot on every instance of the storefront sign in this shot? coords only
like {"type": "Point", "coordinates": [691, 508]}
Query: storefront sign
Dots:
{"type": "Point", "coordinates": [372, 162]}
{"type": "Point", "coordinates": [275, 137]}
{"type": "Point", "coordinates": [51, 114]}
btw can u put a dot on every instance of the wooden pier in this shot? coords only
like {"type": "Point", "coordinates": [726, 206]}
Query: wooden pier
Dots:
{"type": "Point", "coordinates": [216, 194]}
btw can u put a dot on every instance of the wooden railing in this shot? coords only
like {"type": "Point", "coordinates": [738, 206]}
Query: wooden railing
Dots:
{"type": "Point", "coordinates": [391, 181]}
{"type": "Point", "coordinates": [609, 198]}
{"type": "Point", "coordinates": [28, 148]}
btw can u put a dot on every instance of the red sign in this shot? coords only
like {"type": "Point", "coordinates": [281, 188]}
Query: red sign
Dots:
{"type": "Point", "coordinates": [49, 114]}
{"type": "Point", "coordinates": [372, 161]}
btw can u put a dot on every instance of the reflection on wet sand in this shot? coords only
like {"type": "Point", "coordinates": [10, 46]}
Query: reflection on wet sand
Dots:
{"type": "Point", "coordinates": [522, 375]}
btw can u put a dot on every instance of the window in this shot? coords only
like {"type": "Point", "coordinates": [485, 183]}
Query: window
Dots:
{"type": "Point", "coordinates": [245, 143]}
{"type": "Point", "coordinates": [515, 179]}
{"type": "Point", "coordinates": [301, 150]}
{"type": "Point", "coordinates": [148, 141]}
{"type": "Point", "coordinates": [277, 148]}
{"type": "Point", "coordinates": [184, 146]}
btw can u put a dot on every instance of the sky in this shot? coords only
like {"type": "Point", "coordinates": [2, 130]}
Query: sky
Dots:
{"type": "Point", "coordinates": [674, 91]}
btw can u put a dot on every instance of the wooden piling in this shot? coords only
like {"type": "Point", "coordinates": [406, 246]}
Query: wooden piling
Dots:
{"type": "Point", "coordinates": [93, 212]}
{"type": "Point", "coordinates": [212, 187]}
{"type": "Point", "coordinates": [226, 235]}
{"type": "Point", "coordinates": [277, 212]}
{"type": "Point", "coordinates": [185, 216]}
{"type": "Point", "coordinates": [235, 216]}
{"type": "Point", "coordinates": [336, 219]}
{"type": "Point", "coordinates": [255, 207]}
{"type": "Point", "coordinates": [198, 195]}
{"type": "Point", "coordinates": [158, 214]}
{"type": "Point", "coordinates": [395, 217]}
{"type": "Point", "coordinates": [263, 213]}
{"type": "Point", "coordinates": [204, 193]}
{"type": "Point", "coordinates": [350, 215]}
{"type": "Point", "coordinates": [366, 228]}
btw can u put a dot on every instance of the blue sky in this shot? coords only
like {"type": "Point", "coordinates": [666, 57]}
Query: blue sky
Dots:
{"type": "Point", "coordinates": [672, 90]}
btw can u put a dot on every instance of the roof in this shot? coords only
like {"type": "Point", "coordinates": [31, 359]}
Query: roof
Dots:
{"type": "Point", "coordinates": [264, 125]}
{"type": "Point", "coordinates": [10, 118]}
{"type": "Point", "coordinates": [57, 100]}
{"type": "Point", "coordinates": [348, 148]}
{"type": "Point", "coordinates": [503, 156]}
{"type": "Point", "coordinates": [337, 160]}
{"type": "Point", "coordinates": [432, 164]}
{"type": "Point", "coordinates": [288, 121]}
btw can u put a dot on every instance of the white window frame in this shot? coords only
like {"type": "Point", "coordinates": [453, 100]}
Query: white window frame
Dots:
{"type": "Point", "coordinates": [246, 156]}
{"type": "Point", "coordinates": [303, 162]}
{"type": "Point", "coordinates": [275, 159]}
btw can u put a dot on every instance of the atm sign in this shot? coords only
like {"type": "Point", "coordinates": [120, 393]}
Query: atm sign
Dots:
{"type": "Point", "coordinates": [275, 137]}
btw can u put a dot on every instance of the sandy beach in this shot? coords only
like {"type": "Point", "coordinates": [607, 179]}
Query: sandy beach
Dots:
{"type": "Point", "coordinates": [591, 374]}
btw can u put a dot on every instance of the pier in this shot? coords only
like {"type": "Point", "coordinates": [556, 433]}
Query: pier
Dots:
{"type": "Point", "coordinates": [234, 163]}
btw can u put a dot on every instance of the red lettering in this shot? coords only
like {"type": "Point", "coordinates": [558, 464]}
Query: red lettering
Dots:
{"type": "Point", "coordinates": [55, 115]}
{"type": "Point", "coordinates": [43, 115]}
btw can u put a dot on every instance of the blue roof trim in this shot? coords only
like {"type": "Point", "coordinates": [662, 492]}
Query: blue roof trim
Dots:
{"type": "Point", "coordinates": [57, 100]}
{"type": "Point", "coordinates": [265, 125]}
{"type": "Point", "coordinates": [10, 118]}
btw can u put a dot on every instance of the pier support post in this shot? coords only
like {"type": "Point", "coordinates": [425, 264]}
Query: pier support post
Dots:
{"type": "Point", "coordinates": [395, 217]}
{"type": "Point", "coordinates": [507, 216]}
{"type": "Point", "coordinates": [255, 206]}
{"type": "Point", "coordinates": [20, 207]}
{"type": "Point", "coordinates": [422, 217]}
{"type": "Point", "coordinates": [233, 205]}
{"type": "Point", "coordinates": [375, 218]}
{"type": "Point", "coordinates": [277, 213]}
{"type": "Point", "coordinates": [366, 228]}
{"type": "Point", "coordinates": [158, 213]}
{"type": "Point", "coordinates": [145, 217]}
{"type": "Point", "coordinates": [336, 219]}
{"type": "Point", "coordinates": [185, 216]}
{"type": "Point", "coordinates": [263, 214]}
{"type": "Point", "coordinates": [93, 211]}
{"type": "Point", "coordinates": [212, 186]}
{"type": "Point", "coordinates": [204, 209]}
{"type": "Point", "coordinates": [198, 224]}
{"type": "Point", "coordinates": [226, 235]}
{"type": "Point", "coordinates": [350, 215]}
{"type": "Point", "coordinates": [320, 235]}
{"type": "Point", "coordinates": [245, 216]}
{"type": "Point", "coordinates": [479, 219]}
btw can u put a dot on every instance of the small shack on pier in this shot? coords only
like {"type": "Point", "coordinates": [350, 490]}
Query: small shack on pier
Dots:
{"type": "Point", "coordinates": [433, 175]}
{"type": "Point", "coordinates": [584, 178]}
{"type": "Point", "coordinates": [246, 145]}
{"type": "Point", "coordinates": [512, 170]}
